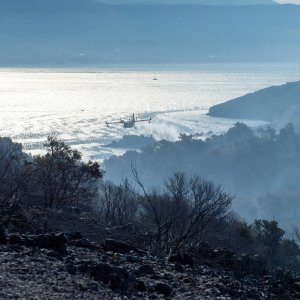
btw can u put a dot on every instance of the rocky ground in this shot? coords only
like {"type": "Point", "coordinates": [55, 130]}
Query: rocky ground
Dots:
{"type": "Point", "coordinates": [69, 266]}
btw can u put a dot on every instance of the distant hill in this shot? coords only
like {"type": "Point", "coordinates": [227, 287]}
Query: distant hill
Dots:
{"type": "Point", "coordinates": [87, 33]}
{"type": "Point", "coordinates": [273, 103]}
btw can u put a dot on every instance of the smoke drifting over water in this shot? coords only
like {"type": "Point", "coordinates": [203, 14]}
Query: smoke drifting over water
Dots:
{"type": "Point", "coordinates": [75, 105]}
{"type": "Point", "coordinates": [161, 131]}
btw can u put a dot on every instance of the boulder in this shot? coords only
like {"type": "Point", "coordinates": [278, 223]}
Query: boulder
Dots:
{"type": "Point", "coordinates": [15, 239]}
{"type": "Point", "coordinates": [246, 264]}
{"type": "Point", "coordinates": [55, 241]}
{"type": "Point", "coordinates": [203, 249]}
{"type": "Point", "coordinates": [2, 235]}
{"type": "Point", "coordinates": [296, 287]}
{"type": "Point", "coordinates": [84, 243]}
{"type": "Point", "coordinates": [114, 277]}
{"type": "Point", "coordinates": [184, 259]}
{"type": "Point", "coordinates": [74, 235]}
{"type": "Point", "coordinates": [140, 286]}
{"type": "Point", "coordinates": [163, 288]}
{"type": "Point", "coordinates": [119, 246]}
{"type": "Point", "coordinates": [178, 267]}
{"type": "Point", "coordinates": [70, 267]}
{"type": "Point", "coordinates": [146, 269]}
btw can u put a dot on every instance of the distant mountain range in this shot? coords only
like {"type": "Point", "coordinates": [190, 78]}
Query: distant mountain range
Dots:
{"type": "Point", "coordinates": [276, 103]}
{"type": "Point", "coordinates": [87, 33]}
{"type": "Point", "coordinates": [199, 2]}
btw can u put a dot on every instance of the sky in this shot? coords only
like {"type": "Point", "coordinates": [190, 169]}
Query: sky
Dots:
{"type": "Point", "coordinates": [289, 1]}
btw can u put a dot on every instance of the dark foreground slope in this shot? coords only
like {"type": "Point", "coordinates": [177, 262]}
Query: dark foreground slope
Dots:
{"type": "Point", "coordinates": [92, 273]}
{"type": "Point", "coordinates": [85, 32]}
{"type": "Point", "coordinates": [273, 103]}
{"type": "Point", "coordinates": [69, 266]}
{"type": "Point", "coordinates": [120, 242]}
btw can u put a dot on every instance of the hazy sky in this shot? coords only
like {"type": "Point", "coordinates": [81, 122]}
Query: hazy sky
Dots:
{"type": "Point", "coordinates": [289, 1]}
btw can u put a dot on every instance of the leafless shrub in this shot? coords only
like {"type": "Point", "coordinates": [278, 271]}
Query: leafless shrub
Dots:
{"type": "Point", "coordinates": [296, 232]}
{"type": "Point", "coordinates": [184, 210]}
{"type": "Point", "coordinates": [117, 204]}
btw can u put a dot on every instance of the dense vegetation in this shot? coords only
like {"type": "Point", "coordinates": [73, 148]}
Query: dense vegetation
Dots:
{"type": "Point", "coordinates": [259, 166]}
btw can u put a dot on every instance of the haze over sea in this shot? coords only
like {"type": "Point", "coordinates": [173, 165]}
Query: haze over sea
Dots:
{"type": "Point", "coordinates": [75, 103]}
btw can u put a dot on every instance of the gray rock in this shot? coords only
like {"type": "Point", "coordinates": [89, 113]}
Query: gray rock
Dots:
{"type": "Point", "coordinates": [184, 259]}
{"type": "Point", "coordinates": [2, 235]}
{"type": "Point", "coordinates": [146, 269]}
{"type": "Point", "coordinates": [15, 239]}
{"type": "Point", "coordinates": [119, 246]}
{"type": "Point", "coordinates": [85, 243]}
{"type": "Point", "coordinates": [53, 241]}
{"type": "Point", "coordinates": [71, 269]}
{"type": "Point", "coordinates": [140, 286]}
{"type": "Point", "coordinates": [74, 235]}
{"type": "Point", "coordinates": [179, 267]}
{"type": "Point", "coordinates": [114, 277]}
{"type": "Point", "coordinates": [163, 288]}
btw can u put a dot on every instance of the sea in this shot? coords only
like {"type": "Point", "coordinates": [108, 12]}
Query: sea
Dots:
{"type": "Point", "coordinates": [74, 104]}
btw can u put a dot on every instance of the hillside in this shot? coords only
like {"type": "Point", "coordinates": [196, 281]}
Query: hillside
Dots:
{"type": "Point", "coordinates": [87, 33]}
{"type": "Point", "coordinates": [67, 265]}
{"type": "Point", "coordinates": [259, 166]}
{"type": "Point", "coordinates": [70, 234]}
{"type": "Point", "coordinates": [273, 103]}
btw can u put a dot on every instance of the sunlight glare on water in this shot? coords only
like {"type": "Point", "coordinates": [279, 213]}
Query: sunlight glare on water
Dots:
{"type": "Point", "coordinates": [74, 104]}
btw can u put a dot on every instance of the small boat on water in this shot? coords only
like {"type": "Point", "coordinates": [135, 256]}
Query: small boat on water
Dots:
{"type": "Point", "coordinates": [130, 122]}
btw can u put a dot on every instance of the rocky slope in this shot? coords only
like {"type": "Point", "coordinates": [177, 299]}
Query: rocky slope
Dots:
{"type": "Point", "coordinates": [69, 266]}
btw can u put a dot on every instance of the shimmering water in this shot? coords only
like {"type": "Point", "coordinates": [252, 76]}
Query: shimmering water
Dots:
{"type": "Point", "coordinates": [74, 104]}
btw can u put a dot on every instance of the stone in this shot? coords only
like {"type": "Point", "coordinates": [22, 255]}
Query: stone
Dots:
{"type": "Point", "coordinates": [140, 286]}
{"type": "Point", "coordinates": [146, 269]}
{"type": "Point", "coordinates": [118, 246]}
{"type": "Point", "coordinates": [52, 253]}
{"type": "Point", "coordinates": [53, 241]}
{"type": "Point", "coordinates": [71, 269]}
{"type": "Point", "coordinates": [2, 235]}
{"type": "Point", "coordinates": [296, 286]}
{"type": "Point", "coordinates": [84, 243]}
{"type": "Point", "coordinates": [184, 259]}
{"type": "Point", "coordinates": [117, 278]}
{"type": "Point", "coordinates": [92, 286]}
{"type": "Point", "coordinates": [179, 267]}
{"type": "Point", "coordinates": [74, 235]}
{"type": "Point", "coordinates": [114, 277]}
{"type": "Point", "coordinates": [132, 259]}
{"type": "Point", "coordinates": [163, 288]}
{"type": "Point", "coordinates": [250, 265]}
{"type": "Point", "coordinates": [15, 239]}
{"type": "Point", "coordinates": [204, 246]}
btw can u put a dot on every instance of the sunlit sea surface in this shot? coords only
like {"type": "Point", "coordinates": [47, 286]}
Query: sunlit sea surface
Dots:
{"type": "Point", "coordinates": [74, 104]}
